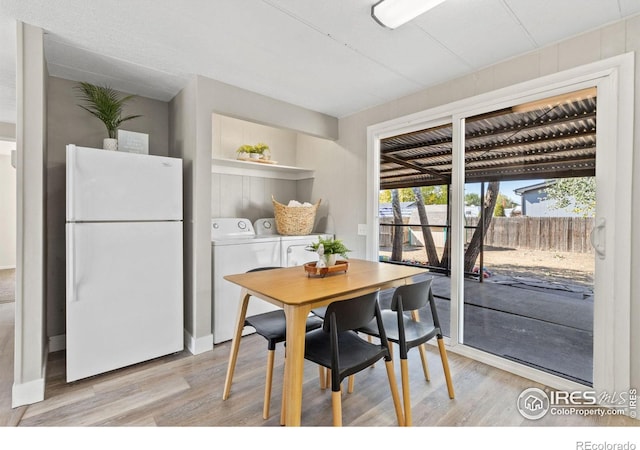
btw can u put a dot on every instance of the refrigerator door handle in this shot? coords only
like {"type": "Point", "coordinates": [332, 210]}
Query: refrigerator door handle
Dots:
{"type": "Point", "coordinates": [71, 266]}
{"type": "Point", "coordinates": [71, 153]}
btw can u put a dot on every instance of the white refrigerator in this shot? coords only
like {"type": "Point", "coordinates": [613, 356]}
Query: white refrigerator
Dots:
{"type": "Point", "coordinates": [124, 286]}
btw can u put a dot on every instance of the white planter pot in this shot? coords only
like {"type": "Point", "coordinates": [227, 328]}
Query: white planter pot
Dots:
{"type": "Point", "coordinates": [255, 156]}
{"type": "Point", "coordinates": [330, 259]}
{"type": "Point", "coordinates": [110, 144]}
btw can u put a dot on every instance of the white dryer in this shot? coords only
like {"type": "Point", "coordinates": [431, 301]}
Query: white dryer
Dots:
{"type": "Point", "coordinates": [235, 248]}
{"type": "Point", "coordinates": [293, 249]}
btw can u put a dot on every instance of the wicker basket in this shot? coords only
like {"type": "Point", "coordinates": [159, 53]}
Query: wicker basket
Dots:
{"type": "Point", "coordinates": [294, 220]}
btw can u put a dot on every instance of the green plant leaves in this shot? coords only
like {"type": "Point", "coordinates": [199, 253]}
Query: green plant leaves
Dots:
{"type": "Point", "coordinates": [106, 104]}
{"type": "Point", "coordinates": [331, 246]}
{"type": "Point", "coordinates": [259, 148]}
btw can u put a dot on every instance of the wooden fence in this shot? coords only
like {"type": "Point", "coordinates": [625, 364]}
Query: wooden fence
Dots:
{"type": "Point", "coordinates": [561, 234]}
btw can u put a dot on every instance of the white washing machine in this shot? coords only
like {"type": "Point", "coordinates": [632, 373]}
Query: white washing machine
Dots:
{"type": "Point", "coordinates": [235, 248]}
{"type": "Point", "coordinates": [293, 249]}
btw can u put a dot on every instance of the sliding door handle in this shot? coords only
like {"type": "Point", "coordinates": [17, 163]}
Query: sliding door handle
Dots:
{"type": "Point", "coordinates": [597, 238]}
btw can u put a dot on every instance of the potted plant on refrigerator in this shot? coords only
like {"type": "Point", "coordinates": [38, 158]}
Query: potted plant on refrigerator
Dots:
{"type": "Point", "coordinates": [106, 104]}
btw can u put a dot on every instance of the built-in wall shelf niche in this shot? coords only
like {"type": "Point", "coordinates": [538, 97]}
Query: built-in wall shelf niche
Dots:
{"type": "Point", "coordinates": [254, 169]}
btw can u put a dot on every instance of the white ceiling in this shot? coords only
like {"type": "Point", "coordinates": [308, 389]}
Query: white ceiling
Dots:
{"type": "Point", "coordinates": [329, 56]}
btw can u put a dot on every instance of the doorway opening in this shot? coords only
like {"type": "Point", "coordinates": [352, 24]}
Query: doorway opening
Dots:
{"type": "Point", "coordinates": [7, 221]}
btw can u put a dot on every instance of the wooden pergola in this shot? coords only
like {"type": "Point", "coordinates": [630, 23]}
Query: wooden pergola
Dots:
{"type": "Point", "coordinates": [554, 138]}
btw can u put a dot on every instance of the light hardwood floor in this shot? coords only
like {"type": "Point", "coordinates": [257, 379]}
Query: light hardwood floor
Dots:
{"type": "Point", "coordinates": [186, 390]}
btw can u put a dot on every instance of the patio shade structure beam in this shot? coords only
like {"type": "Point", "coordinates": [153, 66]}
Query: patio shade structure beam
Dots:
{"type": "Point", "coordinates": [552, 138]}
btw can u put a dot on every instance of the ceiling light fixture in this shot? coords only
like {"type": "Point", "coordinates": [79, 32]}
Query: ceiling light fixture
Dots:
{"type": "Point", "coordinates": [393, 13]}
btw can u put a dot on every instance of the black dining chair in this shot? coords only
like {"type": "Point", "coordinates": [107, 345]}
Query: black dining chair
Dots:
{"type": "Point", "coordinates": [325, 375]}
{"type": "Point", "coordinates": [336, 346]}
{"type": "Point", "coordinates": [272, 326]}
{"type": "Point", "coordinates": [409, 332]}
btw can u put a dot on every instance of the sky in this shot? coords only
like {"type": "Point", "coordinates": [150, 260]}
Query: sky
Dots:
{"type": "Point", "coordinates": [506, 188]}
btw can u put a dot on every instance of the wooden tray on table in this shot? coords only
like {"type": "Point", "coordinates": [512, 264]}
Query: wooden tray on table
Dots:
{"type": "Point", "coordinates": [312, 270]}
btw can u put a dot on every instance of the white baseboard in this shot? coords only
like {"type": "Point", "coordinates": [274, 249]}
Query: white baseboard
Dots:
{"type": "Point", "coordinates": [27, 393]}
{"type": "Point", "coordinates": [199, 345]}
{"type": "Point", "coordinates": [30, 391]}
{"type": "Point", "coordinates": [195, 346]}
{"type": "Point", "coordinates": [7, 267]}
{"type": "Point", "coordinates": [57, 343]}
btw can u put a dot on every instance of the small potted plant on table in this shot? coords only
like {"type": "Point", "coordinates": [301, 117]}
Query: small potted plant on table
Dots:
{"type": "Point", "coordinates": [328, 250]}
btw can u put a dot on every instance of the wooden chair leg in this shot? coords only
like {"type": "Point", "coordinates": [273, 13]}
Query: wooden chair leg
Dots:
{"type": "Point", "coordinates": [406, 394]}
{"type": "Point", "coordinates": [267, 385]}
{"type": "Point", "coordinates": [235, 342]}
{"type": "Point", "coordinates": [394, 392]}
{"type": "Point", "coordinates": [445, 366]}
{"type": "Point", "coordinates": [352, 382]}
{"type": "Point", "coordinates": [425, 366]}
{"type": "Point", "coordinates": [328, 377]}
{"type": "Point", "coordinates": [336, 404]}
{"type": "Point", "coordinates": [233, 358]}
{"type": "Point", "coordinates": [321, 375]}
{"type": "Point", "coordinates": [283, 411]}
{"type": "Point", "coordinates": [391, 349]}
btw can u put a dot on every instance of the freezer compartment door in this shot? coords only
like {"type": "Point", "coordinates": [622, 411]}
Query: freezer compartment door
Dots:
{"type": "Point", "coordinates": [124, 294]}
{"type": "Point", "coordinates": [105, 185]}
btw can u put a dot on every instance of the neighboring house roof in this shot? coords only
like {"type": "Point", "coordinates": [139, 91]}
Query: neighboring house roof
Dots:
{"type": "Point", "coordinates": [436, 214]}
{"type": "Point", "coordinates": [534, 187]}
{"type": "Point", "coordinates": [386, 209]}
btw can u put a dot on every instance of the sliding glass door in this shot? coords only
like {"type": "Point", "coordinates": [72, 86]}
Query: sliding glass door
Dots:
{"type": "Point", "coordinates": [532, 270]}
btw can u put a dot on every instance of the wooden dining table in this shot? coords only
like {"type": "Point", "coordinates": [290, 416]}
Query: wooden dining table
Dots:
{"type": "Point", "coordinates": [298, 292]}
